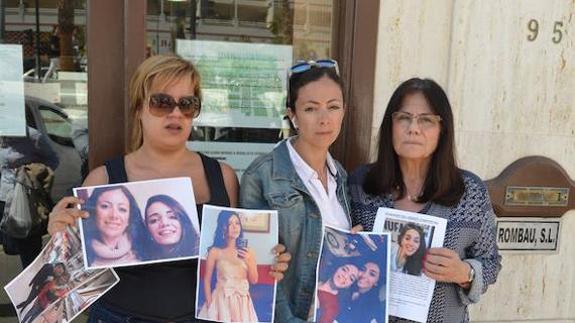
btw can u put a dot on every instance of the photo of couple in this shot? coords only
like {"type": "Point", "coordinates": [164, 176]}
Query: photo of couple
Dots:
{"type": "Point", "coordinates": [352, 284]}
{"type": "Point", "coordinates": [56, 287]}
{"type": "Point", "coordinates": [139, 223]}
{"type": "Point", "coordinates": [234, 281]}
{"type": "Point", "coordinates": [50, 283]}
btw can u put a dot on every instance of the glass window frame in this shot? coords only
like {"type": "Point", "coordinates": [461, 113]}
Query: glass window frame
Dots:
{"type": "Point", "coordinates": [123, 44]}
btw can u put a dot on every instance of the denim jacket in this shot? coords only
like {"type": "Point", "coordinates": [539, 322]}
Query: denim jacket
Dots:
{"type": "Point", "coordinates": [271, 182]}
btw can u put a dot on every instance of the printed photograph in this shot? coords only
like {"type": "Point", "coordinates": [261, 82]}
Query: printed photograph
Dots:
{"type": "Point", "coordinates": [412, 234]}
{"type": "Point", "coordinates": [234, 281]}
{"type": "Point", "coordinates": [352, 284]}
{"type": "Point", "coordinates": [56, 287]}
{"type": "Point", "coordinates": [410, 241]}
{"type": "Point", "coordinates": [139, 223]}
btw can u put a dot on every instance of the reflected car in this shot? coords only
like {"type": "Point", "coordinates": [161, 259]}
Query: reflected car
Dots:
{"type": "Point", "coordinates": [46, 73]}
{"type": "Point", "coordinates": [52, 121]}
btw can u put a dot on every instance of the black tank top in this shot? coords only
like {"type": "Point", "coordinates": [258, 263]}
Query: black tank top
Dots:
{"type": "Point", "coordinates": [165, 291]}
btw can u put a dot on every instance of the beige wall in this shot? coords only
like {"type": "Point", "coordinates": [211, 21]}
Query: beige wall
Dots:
{"type": "Point", "coordinates": [413, 40]}
{"type": "Point", "coordinates": [511, 98]}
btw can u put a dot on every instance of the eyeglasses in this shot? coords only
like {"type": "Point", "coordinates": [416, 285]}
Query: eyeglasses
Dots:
{"type": "Point", "coordinates": [424, 120]}
{"type": "Point", "coordinates": [163, 104]}
{"type": "Point", "coordinates": [304, 66]}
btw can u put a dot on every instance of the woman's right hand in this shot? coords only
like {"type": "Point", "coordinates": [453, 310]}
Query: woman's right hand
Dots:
{"type": "Point", "coordinates": [283, 258]}
{"type": "Point", "coordinates": [65, 213]}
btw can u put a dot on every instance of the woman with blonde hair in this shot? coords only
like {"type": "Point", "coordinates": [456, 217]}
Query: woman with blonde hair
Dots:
{"type": "Point", "coordinates": [165, 97]}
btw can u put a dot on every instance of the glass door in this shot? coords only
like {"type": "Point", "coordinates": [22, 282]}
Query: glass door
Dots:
{"type": "Point", "coordinates": [242, 49]}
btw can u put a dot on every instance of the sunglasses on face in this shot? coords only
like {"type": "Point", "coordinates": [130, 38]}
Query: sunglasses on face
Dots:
{"type": "Point", "coordinates": [304, 66]}
{"type": "Point", "coordinates": [163, 104]}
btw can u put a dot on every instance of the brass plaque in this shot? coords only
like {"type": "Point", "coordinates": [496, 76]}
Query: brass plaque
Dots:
{"type": "Point", "coordinates": [536, 196]}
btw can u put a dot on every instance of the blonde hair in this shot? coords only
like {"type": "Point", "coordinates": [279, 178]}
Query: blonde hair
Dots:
{"type": "Point", "coordinates": [158, 69]}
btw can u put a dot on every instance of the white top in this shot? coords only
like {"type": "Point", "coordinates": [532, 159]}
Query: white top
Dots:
{"type": "Point", "coordinates": [331, 210]}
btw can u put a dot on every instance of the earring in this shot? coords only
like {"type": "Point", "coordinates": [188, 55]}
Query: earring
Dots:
{"type": "Point", "coordinates": [294, 123]}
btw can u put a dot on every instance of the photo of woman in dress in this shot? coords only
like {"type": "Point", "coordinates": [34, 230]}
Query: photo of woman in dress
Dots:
{"type": "Point", "coordinates": [112, 228]}
{"type": "Point", "coordinates": [407, 254]}
{"type": "Point", "coordinates": [235, 266]}
{"type": "Point", "coordinates": [171, 233]}
{"type": "Point", "coordinates": [332, 284]}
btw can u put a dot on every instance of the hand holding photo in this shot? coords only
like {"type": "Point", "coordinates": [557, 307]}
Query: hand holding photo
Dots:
{"type": "Point", "coordinates": [412, 235]}
{"type": "Point", "coordinates": [131, 224]}
{"type": "Point", "coordinates": [56, 287]}
{"type": "Point", "coordinates": [234, 281]}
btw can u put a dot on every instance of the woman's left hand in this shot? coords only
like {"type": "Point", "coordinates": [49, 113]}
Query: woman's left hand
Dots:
{"type": "Point", "coordinates": [283, 258]}
{"type": "Point", "coordinates": [444, 265]}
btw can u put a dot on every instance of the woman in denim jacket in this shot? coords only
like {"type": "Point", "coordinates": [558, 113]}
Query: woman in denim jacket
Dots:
{"type": "Point", "coordinates": [301, 180]}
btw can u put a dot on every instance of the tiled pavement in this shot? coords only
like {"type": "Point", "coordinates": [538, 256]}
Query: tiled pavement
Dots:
{"type": "Point", "coordinates": [9, 268]}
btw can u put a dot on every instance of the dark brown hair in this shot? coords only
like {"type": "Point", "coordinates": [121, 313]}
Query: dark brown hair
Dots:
{"type": "Point", "coordinates": [413, 263]}
{"type": "Point", "coordinates": [444, 182]}
{"type": "Point", "coordinates": [299, 80]}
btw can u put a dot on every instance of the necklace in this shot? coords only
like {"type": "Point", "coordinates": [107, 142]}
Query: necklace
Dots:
{"type": "Point", "coordinates": [412, 198]}
{"type": "Point", "coordinates": [322, 175]}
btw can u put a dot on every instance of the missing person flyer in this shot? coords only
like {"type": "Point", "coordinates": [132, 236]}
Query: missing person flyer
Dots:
{"type": "Point", "coordinates": [412, 234]}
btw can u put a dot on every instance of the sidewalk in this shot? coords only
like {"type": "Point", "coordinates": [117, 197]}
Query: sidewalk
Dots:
{"type": "Point", "coordinates": [9, 268]}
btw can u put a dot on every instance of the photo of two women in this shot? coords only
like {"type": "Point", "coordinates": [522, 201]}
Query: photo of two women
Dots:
{"type": "Point", "coordinates": [234, 281]}
{"type": "Point", "coordinates": [139, 222]}
{"type": "Point", "coordinates": [352, 284]}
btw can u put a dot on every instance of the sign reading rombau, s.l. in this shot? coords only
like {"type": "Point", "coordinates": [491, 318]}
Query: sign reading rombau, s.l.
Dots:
{"type": "Point", "coordinates": [528, 234]}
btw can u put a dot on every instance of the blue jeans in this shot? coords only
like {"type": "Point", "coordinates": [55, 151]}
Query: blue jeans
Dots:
{"type": "Point", "coordinates": [99, 313]}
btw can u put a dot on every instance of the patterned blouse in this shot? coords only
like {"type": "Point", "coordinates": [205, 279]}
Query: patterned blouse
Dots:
{"type": "Point", "coordinates": [470, 232]}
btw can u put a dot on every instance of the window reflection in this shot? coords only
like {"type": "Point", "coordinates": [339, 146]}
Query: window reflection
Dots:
{"type": "Point", "coordinates": [237, 100]}
{"type": "Point", "coordinates": [305, 24]}
{"type": "Point", "coordinates": [54, 71]}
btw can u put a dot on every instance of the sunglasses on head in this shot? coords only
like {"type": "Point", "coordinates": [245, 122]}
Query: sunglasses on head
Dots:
{"type": "Point", "coordinates": [304, 66]}
{"type": "Point", "coordinates": [162, 104]}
